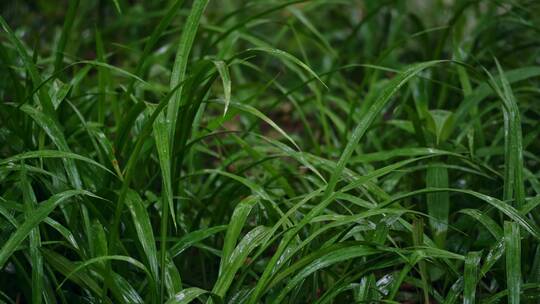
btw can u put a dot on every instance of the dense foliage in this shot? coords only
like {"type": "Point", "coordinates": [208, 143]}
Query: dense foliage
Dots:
{"type": "Point", "coordinates": [238, 151]}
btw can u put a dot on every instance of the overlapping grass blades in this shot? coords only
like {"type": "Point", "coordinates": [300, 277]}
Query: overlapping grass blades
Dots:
{"type": "Point", "coordinates": [269, 152]}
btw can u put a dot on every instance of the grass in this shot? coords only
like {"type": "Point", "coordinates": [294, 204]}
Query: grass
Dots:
{"type": "Point", "coordinates": [269, 152]}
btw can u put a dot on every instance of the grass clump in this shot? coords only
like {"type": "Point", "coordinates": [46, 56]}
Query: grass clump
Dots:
{"type": "Point", "coordinates": [269, 152]}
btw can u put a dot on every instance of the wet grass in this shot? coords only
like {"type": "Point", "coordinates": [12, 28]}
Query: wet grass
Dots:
{"type": "Point", "coordinates": [269, 152]}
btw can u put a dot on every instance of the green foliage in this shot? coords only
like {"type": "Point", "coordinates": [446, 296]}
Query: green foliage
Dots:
{"type": "Point", "coordinates": [244, 151]}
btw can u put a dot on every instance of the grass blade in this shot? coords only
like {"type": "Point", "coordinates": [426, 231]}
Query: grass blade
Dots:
{"type": "Point", "coordinates": [389, 90]}
{"type": "Point", "coordinates": [178, 76]}
{"type": "Point", "coordinates": [470, 278]}
{"type": "Point", "coordinates": [288, 57]}
{"type": "Point", "coordinates": [66, 34]}
{"type": "Point", "coordinates": [485, 220]}
{"type": "Point", "coordinates": [187, 295]}
{"type": "Point", "coordinates": [251, 240]}
{"type": "Point", "coordinates": [44, 97]}
{"type": "Point", "coordinates": [33, 219]}
{"type": "Point", "coordinates": [352, 190]}
{"type": "Point", "coordinates": [35, 241]}
{"type": "Point", "coordinates": [438, 203]}
{"type": "Point", "coordinates": [141, 219]}
{"type": "Point", "coordinates": [226, 79]}
{"type": "Point", "coordinates": [237, 222]}
{"type": "Point", "coordinates": [512, 242]}
{"type": "Point", "coordinates": [55, 134]}
{"type": "Point", "coordinates": [51, 154]}
{"type": "Point", "coordinates": [194, 237]}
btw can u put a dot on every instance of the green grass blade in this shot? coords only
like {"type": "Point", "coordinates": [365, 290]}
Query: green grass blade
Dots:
{"type": "Point", "coordinates": [493, 256]}
{"type": "Point", "coordinates": [33, 219]}
{"type": "Point", "coordinates": [194, 237]}
{"type": "Point", "coordinates": [102, 78]}
{"type": "Point", "coordinates": [36, 259]}
{"type": "Point", "coordinates": [187, 295]}
{"type": "Point", "coordinates": [226, 79]}
{"type": "Point", "coordinates": [508, 210]}
{"type": "Point", "coordinates": [55, 134]}
{"type": "Point", "coordinates": [117, 6]}
{"type": "Point", "coordinates": [101, 259]}
{"type": "Point", "coordinates": [178, 74]}
{"type": "Point", "coordinates": [141, 219]}
{"type": "Point", "coordinates": [44, 97]}
{"type": "Point", "coordinates": [266, 119]}
{"type": "Point", "coordinates": [346, 164]}
{"type": "Point", "coordinates": [51, 154]}
{"type": "Point", "coordinates": [438, 203]}
{"type": "Point", "coordinates": [319, 260]}
{"type": "Point", "coordinates": [492, 226]}
{"type": "Point", "coordinates": [125, 291]}
{"type": "Point", "coordinates": [514, 146]}
{"type": "Point", "coordinates": [161, 136]}
{"type": "Point", "coordinates": [234, 228]}
{"type": "Point", "coordinates": [65, 267]}
{"type": "Point", "coordinates": [389, 90]}
{"type": "Point", "coordinates": [156, 34]}
{"type": "Point", "coordinates": [287, 57]}
{"type": "Point", "coordinates": [66, 34]}
{"type": "Point", "coordinates": [470, 277]}
{"type": "Point", "coordinates": [512, 242]}
{"type": "Point", "coordinates": [418, 241]}
{"type": "Point", "coordinates": [173, 282]}
{"type": "Point", "coordinates": [251, 240]}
